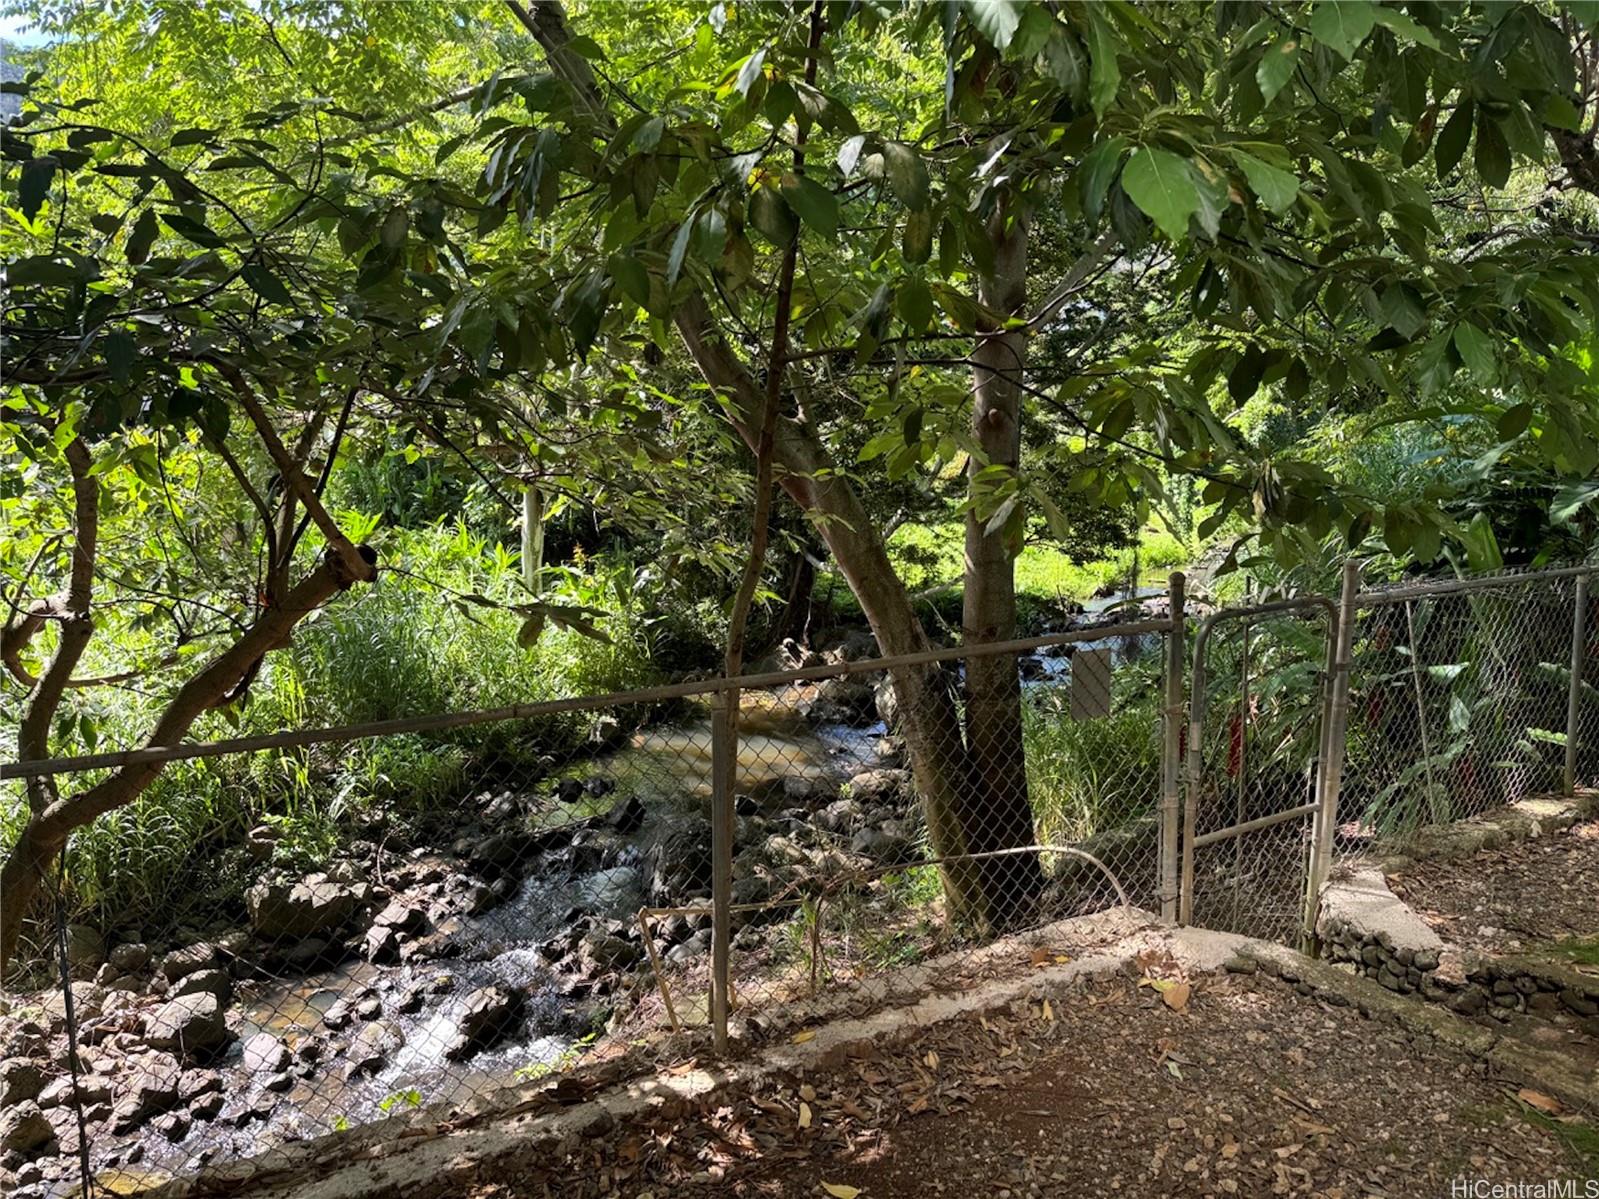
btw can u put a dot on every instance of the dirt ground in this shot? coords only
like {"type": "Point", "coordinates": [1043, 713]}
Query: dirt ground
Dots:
{"type": "Point", "coordinates": [1514, 898]}
{"type": "Point", "coordinates": [1237, 1086]}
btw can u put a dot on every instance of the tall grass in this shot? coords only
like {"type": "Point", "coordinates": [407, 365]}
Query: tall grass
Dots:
{"type": "Point", "coordinates": [407, 645]}
{"type": "Point", "coordinates": [1087, 776]}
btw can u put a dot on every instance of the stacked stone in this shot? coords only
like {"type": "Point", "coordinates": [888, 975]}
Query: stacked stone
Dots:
{"type": "Point", "coordinates": [1399, 968]}
{"type": "Point", "coordinates": [1506, 986]}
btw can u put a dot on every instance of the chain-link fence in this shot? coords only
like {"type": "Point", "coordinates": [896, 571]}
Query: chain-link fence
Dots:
{"type": "Point", "coordinates": [437, 913]}
{"type": "Point", "coordinates": [1461, 700]}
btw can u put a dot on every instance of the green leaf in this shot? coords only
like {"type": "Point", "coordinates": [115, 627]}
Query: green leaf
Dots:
{"type": "Point", "coordinates": [1514, 421]}
{"type": "Point", "coordinates": [632, 278]}
{"type": "Point", "coordinates": [1097, 171]}
{"type": "Point", "coordinates": [1277, 188]}
{"type": "Point", "coordinates": [1342, 24]}
{"type": "Point", "coordinates": [1453, 137]}
{"type": "Point", "coordinates": [1476, 351]}
{"type": "Point", "coordinates": [750, 72]}
{"type": "Point", "coordinates": [772, 217]}
{"type": "Point", "coordinates": [816, 206]}
{"type": "Point", "coordinates": [120, 350]}
{"type": "Point", "coordinates": [395, 226]}
{"type": "Point", "coordinates": [849, 153]}
{"type": "Point", "coordinates": [1493, 153]}
{"type": "Point", "coordinates": [907, 175]}
{"type": "Point", "coordinates": [914, 303]}
{"type": "Point", "coordinates": [918, 244]}
{"type": "Point", "coordinates": [1482, 547]}
{"type": "Point", "coordinates": [1404, 25]}
{"type": "Point", "coordinates": [142, 237]}
{"type": "Point", "coordinates": [679, 250]}
{"type": "Point", "coordinates": [37, 174]}
{"type": "Point", "coordinates": [996, 20]}
{"type": "Point", "coordinates": [1277, 67]}
{"type": "Point", "coordinates": [192, 230]}
{"type": "Point", "coordinates": [1104, 72]}
{"type": "Point", "coordinates": [266, 285]}
{"type": "Point", "coordinates": [1162, 185]}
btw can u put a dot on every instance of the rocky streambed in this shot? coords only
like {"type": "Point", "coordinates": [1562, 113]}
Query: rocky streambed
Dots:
{"type": "Point", "coordinates": [427, 974]}
{"type": "Point", "coordinates": [390, 979]}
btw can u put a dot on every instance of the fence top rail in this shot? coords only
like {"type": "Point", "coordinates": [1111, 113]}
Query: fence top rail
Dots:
{"type": "Point", "coordinates": [1404, 592]}
{"type": "Point", "coordinates": [440, 722]}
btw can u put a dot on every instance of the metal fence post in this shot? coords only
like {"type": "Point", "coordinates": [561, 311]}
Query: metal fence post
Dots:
{"type": "Point", "coordinates": [1579, 620]}
{"type": "Point", "coordinates": [1170, 753]}
{"type": "Point", "coordinates": [724, 755]}
{"type": "Point", "coordinates": [1335, 723]}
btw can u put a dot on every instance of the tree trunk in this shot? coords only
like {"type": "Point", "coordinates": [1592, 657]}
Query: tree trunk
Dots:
{"type": "Point", "coordinates": [1003, 818]}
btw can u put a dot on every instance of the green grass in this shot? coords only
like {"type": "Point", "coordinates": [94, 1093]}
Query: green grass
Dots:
{"type": "Point", "coordinates": [1584, 951]}
{"type": "Point", "coordinates": [927, 556]}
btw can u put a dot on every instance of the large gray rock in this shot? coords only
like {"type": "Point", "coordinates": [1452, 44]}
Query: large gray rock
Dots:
{"type": "Point", "coordinates": [212, 981]}
{"type": "Point", "coordinates": [85, 948]}
{"type": "Point", "coordinates": [153, 1086]}
{"type": "Point", "coordinates": [192, 1023]}
{"type": "Point", "coordinates": [129, 957]}
{"type": "Point", "coordinates": [488, 1014]}
{"type": "Point", "coordinates": [678, 862]}
{"type": "Point", "coordinates": [181, 963]}
{"type": "Point", "coordinates": [880, 786]}
{"type": "Point", "coordinates": [20, 1079]}
{"type": "Point", "coordinates": [24, 1128]}
{"type": "Point", "coordinates": [265, 1054]}
{"type": "Point", "coordinates": [284, 911]}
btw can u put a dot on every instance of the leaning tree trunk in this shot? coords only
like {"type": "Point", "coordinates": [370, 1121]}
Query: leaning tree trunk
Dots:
{"type": "Point", "coordinates": [1002, 818]}
{"type": "Point", "coordinates": [929, 716]}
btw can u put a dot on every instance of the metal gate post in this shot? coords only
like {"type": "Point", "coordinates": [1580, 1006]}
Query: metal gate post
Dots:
{"type": "Point", "coordinates": [1335, 723]}
{"type": "Point", "coordinates": [724, 755]}
{"type": "Point", "coordinates": [1170, 752]}
{"type": "Point", "coordinates": [1579, 619]}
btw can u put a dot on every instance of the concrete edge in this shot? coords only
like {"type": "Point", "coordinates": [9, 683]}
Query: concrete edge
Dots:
{"type": "Point", "coordinates": [1523, 820]}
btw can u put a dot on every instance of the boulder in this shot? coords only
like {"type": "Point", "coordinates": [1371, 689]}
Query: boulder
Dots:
{"type": "Point", "coordinates": [265, 1054]}
{"type": "Point", "coordinates": [85, 948]}
{"type": "Point", "coordinates": [880, 786]}
{"type": "Point", "coordinates": [181, 963]}
{"type": "Point", "coordinates": [91, 1089]}
{"type": "Point", "coordinates": [192, 1023]}
{"type": "Point", "coordinates": [601, 953]}
{"type": "Point", "coordinates": [488, 1014]}
{"type": "Point", "coordinates": [283, 911]}
{"type": "Point", "coordinates": [883, 846]}
{"type": "Point", "coordinates": [678, 862]}
{"type": "Point", "coordinates": [24, 1128]}
{"type": "Point", "coordinates": [210, 981]}
{"type": "Point", "coordinates": [20, 1079]}
{"type": "Point", "coordinates": [153, 1087]}
{"type": "Point", "coordinates": [627, 816]}
{"type": "Point", "coordinates": [401, 917]}
{"type": "Point", "coordinates": [886, 701]}
{"type": "Point", "coordinates": [844, 701]}
{"type": "Point", "coordinates": [129, 957]}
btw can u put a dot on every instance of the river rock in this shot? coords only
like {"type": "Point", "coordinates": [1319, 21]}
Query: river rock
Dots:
{"type": "Point", "coordinates": [210, 981]}
{"type": "Point", "coordinates": [24, 1128]}
{"type": "Point", "coordinates": [886, 700]}
{"type": "Point", "coordinates": [91, 1089]}
{"type": "Point", "coordinates": [20, 1079]}
{"type": "Point", "coordinates": [627, 816]}
{"type": "Point", "coordinates": [678, 862]}
{"type": "Point", "coordinates": [602, 953]}
{"type": "Point", "coordinates": [192, 1023]}
{"type": "Point", "coordinates": [569, 791]}
{"type": "Point", "coordinates": [181, 963]}
{"type": "Point", "coordinates": [265, 1054]}
{"type": "Point", "coordinates": [129, 957]}
{"type": "Point", "coordinates": [844, 701]}
{"type": "Point", "coordinates": [87, 999]}
{"type": "Point", "coordinates": [152, 1087]}
{"type": "Point", "coordinates": [85, 948]}
{"type": "Point", "coordinates": [487, 1015]}
{"type": "Point", "coordinates": [882, 846]}
{"type": "Point", "coordinates": [401, 917]}
{"type": "Point", "coordinates": [841, 815]}
{"type": "Point", "coordinates": [880, 786]}
{"type": "Point", "coordinates": [284, 911]}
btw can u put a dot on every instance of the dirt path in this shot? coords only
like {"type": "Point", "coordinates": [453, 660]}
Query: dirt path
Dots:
{"type": "Point", "coordinates": [1247, 1090]}
{"type": "Point", "coordinates": [1510, 899]}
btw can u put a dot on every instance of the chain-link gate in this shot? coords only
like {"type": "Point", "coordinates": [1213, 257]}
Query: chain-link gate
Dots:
{"type": "Point", "coordinates": [1255, 747]}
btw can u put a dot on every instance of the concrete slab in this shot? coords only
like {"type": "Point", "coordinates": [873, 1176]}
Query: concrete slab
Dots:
{"type": "Point", "coordinates": [1362, 902]}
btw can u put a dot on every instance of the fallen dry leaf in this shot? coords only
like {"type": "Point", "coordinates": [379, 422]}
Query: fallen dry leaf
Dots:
{"type": "Point", "coordinates": [1544, 1103]}
{"type": "Point", "coordinates": [803, 1035]}
{"type": "Point", "coordinates": [805, 1115]}
{"type": "Point", "coordinates": [1176, 995]}
{"type": "Point", "coordinates": [1041, 956]}
{"type": "Point", "coordinates": [841, 1190]}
